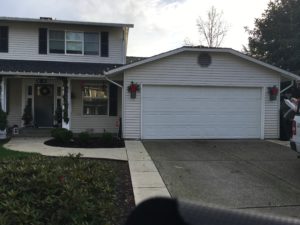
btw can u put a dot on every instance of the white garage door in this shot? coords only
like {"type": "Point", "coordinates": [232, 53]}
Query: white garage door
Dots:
{"type": "Point", "coordinates": [175, 112]}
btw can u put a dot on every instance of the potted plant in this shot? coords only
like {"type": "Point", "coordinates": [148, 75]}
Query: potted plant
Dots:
{"type": "Point", "coordinates": [3, 124]}
{"type": "Point", "coordinates": [58, 115]}
{"type": "Point", "coordinates": [27, 115]}
{"type": "Point", "coordinates": [273, 92]}
{"type": "Point", "coordinates": [133, 88]}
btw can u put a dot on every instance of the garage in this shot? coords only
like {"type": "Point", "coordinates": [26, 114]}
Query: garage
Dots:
{"type": "Point", "coordinates": [187, 112]}
{"type": "Point", "coordinates": [201, 93]}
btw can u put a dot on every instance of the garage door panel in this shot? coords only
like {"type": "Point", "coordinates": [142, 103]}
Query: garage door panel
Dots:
{"type": "Point", "coordinates": [199, 119]}
{"type": "Point", "coordinates": [191, 105]}
{"type": "Point", "coordinates": [172, 112]}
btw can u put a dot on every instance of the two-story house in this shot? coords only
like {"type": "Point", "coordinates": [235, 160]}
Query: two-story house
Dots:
{"type": "Point", "coordinates": [185, 93]}
{"type": "Point", "coordinates": [46, 64]}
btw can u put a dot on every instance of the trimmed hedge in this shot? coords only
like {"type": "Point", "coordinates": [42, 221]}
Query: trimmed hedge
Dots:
{"type": "Point", "coordinates": [64, 190]}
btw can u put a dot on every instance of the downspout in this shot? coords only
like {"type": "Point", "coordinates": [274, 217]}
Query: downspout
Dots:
{"type": "Point", "coordinates": [288, 87]}
{"type": "Point", "coordinates": [122, 106]}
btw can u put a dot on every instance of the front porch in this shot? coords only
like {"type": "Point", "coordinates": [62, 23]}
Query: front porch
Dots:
{"type": "Point", "coordinates": [93, 105]}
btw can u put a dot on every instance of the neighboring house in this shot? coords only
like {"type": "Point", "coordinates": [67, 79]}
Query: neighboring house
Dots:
{"type": "Point", "coordinates": [186, 93]}
{"type": "Point", "coordinates": [46, 63]}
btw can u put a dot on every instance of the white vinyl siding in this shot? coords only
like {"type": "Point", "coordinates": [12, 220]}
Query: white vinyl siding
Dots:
{"type": "Point", "coordinates": [24, 44]}
{"type": "Point", "coordinates": [96, 123]}
{"type": "Point", "coordinates": [182, 69]}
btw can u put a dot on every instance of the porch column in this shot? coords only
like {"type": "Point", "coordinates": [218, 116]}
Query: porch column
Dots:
{"type": "Point", "coordinates": [67, 103]}
{"type": "Point", "coordinates": [3, 93]}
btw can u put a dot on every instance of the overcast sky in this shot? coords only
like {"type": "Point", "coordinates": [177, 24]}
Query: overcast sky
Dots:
{"type": "Point", "coordinates": [159, 25]}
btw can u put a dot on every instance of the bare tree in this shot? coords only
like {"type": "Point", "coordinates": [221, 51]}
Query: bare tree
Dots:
{"type": "Point", "coordinates": [213, 29]}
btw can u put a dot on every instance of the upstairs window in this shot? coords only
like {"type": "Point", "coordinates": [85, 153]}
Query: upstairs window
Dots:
{"type": "Point", "coordinates": [57, 41]}
{"type": "Point", "coordinates": [81, 43]}
{"type": "Point", "coordinates": [91, 43]}
{"type": "Point", "coordinates": [3, 39]}
{"type": "Point", "coordinates": [74, 42]}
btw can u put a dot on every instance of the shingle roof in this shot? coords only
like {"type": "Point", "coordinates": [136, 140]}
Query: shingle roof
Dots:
{"type": "Point", "coordinates": [54, 67]}
{"type": "Point", "coordinates": [133, 59]}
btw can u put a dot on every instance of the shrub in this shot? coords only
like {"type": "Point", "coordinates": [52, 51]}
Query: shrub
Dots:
{"type": "Point", "coordinates": [58, 114]}
{"type": "Point", "coordinates": [84, 137]}
{"type": "Point", "coordinates": [3, 120]}
{"type": "Point", "coordinates": [62, 135]}
{"type": "Point", "coordinates": [107, 138]}
{"type": "Point", "coordinates": [27, 114]}
{"type": "Point", "coordinates": [63, 190]}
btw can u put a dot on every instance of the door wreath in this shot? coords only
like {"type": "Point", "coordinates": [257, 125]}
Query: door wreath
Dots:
{"type": "Point", "coordinates": [45, 91]}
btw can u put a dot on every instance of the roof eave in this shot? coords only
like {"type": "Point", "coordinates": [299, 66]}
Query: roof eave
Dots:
{"type": "Point", "coordinates": [37, 74]}
{"type": "Point", "coordinates": [54, 21]}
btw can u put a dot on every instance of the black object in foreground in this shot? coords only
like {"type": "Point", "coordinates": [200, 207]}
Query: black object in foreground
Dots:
{"type": "Point", "coordinates": [165, 211]}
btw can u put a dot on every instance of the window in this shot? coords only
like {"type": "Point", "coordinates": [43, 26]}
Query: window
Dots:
{"type": "Point", "coordinates": [95, 100]}
{"type": "Point", "coordinates": [82, 43]}
{"type": "Point", "coordinates": [57, 41]}
{"type": "Point", "coordinates": [74, 42]}
{"type": "Point", "coordinates": [3, 39]}
{"type": "Point", "coordinates": [91, 43]}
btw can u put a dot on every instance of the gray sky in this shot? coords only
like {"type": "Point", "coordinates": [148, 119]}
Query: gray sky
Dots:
{"type": "Point", "coordinates": [159, 25]}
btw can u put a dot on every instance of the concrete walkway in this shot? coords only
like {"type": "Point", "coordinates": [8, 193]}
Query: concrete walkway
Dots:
{"type": "Point", "coordinates": [29, 144]}
{"type": "Point", "coordinates": [146, 180]}
{"type": "Point", "coordinates": [283, 143]}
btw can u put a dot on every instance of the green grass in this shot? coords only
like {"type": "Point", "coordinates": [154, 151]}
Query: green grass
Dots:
{"type": "Point", "coordinates": [7, 153]}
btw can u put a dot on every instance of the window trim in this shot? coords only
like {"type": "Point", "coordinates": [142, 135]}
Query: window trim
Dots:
{"type": "Point", "coordinates": [82, 100]}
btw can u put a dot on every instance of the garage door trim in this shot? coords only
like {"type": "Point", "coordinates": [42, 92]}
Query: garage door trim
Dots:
{"type": "Point", "coordinates": [262, 107]}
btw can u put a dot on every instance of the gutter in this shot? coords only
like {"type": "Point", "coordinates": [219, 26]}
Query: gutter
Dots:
{"type": "Point", "coordinates": [111, 81]}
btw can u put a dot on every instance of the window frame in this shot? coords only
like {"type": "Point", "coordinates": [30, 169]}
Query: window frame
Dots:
{"type": "Point", "coordinates": [82, 100]}
{"type": "Point", "coordinates": [99, 43]}
{"type": "Point", "coordinates": [56, 53]}
{"type": "Point", "coordinates": [83, 43]}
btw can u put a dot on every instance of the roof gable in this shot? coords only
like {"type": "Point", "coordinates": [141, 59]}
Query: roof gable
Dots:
{"type": "Point", "coordinates": [282, 72]}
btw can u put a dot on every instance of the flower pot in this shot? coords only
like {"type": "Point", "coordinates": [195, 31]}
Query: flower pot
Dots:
{"type": "Point", "coordinates": [132, 94]}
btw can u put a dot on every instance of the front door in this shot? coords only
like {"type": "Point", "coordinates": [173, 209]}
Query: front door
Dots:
{"type": "Point", "coordinates": [43, 105]}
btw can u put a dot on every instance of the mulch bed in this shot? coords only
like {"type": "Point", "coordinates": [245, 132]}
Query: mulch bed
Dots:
{"type": "Point", "coordinates": [92, 143]}
{"type": "Point", "coordinates": [125, 197]}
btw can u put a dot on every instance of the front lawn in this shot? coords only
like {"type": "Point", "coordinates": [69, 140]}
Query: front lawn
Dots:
{"type": "Point", "coordinates": [6, 153]}
{"type": "Point", "coordinates": [63, 190]}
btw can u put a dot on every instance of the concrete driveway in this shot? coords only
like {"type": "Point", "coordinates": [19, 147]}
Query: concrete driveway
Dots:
{"type": "Point", "coordinates": [245, 174]}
